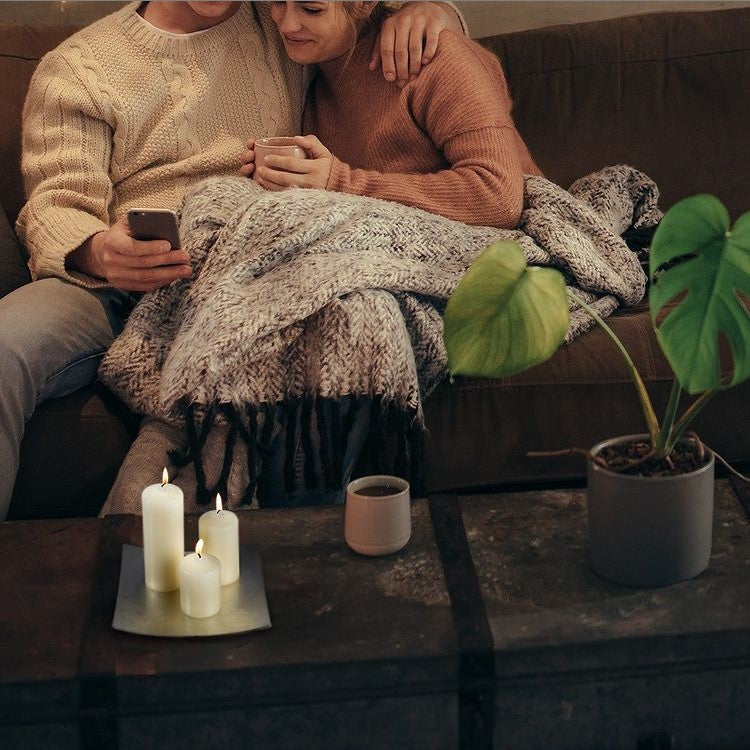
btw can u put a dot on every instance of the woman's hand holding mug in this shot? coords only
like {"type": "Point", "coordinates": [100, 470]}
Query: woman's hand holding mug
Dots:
{"type": "Point", "coordinates": [277, 171]}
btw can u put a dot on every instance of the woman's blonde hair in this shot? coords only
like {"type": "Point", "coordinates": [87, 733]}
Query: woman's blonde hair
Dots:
{"type": "Point", "coordinates": [360, 20]}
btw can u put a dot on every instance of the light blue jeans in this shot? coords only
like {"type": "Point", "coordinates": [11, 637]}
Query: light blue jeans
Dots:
{"type": "Point", "coordinates": [52, 336]}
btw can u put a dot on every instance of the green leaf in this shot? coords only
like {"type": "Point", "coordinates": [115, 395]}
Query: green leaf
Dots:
{"type": "Point", "coordinates": [714, 280]}
{"type": "Point", "coordinates": [503, 316]}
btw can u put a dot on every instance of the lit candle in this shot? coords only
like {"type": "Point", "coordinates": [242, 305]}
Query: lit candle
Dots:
{"type": "Point", "coordinates": [200, 583]}
{"type": "Point", "coordinates": [219, 529]}
{"type": "Point", "coordinates": [163, 509]}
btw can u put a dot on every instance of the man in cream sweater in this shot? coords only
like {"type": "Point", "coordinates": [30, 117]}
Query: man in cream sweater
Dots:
{"type": "Point", "coordinates": [131, 111]}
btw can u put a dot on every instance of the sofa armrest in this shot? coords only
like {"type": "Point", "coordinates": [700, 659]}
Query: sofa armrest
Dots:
{"type": "Point", "coordinates": [13, 269]}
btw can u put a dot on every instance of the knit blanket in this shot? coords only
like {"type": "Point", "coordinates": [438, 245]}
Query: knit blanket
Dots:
{"type": "Point", "coordinates": [303, 297]}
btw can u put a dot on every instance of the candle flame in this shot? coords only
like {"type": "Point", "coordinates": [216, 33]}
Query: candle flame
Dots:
{"type": "Point", "coordinates": [164, 477]}
{"type": "Point", "coordinates": [219, 506]}
{"type": "Point", "coordinates": [199, 547]}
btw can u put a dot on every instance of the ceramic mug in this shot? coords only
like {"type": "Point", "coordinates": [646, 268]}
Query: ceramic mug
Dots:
{"type": "Point", "coordinates": [281, 145]}
{"type": "Point", "coordinates": [377, 516]}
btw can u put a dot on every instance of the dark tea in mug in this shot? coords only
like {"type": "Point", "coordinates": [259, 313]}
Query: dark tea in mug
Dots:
{"type": "Point", "coordinates": [378, 490]}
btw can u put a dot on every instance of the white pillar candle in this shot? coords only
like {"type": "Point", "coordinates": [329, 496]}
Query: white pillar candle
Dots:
{"type": "Point", "coordinates": [200, 583]}
{"type": "Point", "coordinates": [163, 509]}
{"type": "Point", "coordinates": [219, 530]}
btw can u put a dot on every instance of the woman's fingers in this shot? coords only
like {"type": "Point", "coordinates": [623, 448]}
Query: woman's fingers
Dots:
{"type": "Point", "coordinates": [286, 164]}
{"type": "Point", "coordinates": [278, 172]}
{"type": "Point", "coordinates": [311, 143]}
{"type": "Point", "coordinates": [247, 160]}
{"type": "Point", "coordinates": [272, 179]}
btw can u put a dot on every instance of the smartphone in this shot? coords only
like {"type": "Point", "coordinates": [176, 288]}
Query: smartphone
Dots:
{"type": "Point", "coordinates": [154, 224]}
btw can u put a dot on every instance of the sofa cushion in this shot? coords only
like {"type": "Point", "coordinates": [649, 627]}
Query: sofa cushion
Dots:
{"type": "Point", "coordinates": [667, 93]}
{"type": "Point", "coordinates": [479, 430]}
{"type": "Point", "coordinates": [13, 269]}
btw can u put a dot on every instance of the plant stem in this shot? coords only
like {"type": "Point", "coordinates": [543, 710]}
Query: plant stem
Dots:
{"type": "Point", "coordinates": [648, 410]}
{"type": "Point", "coordinates": [669, 417]}
{"type": "Point", "coordinates": [730, 468]}
{"type": "Point", "coordinates": [689, 415]}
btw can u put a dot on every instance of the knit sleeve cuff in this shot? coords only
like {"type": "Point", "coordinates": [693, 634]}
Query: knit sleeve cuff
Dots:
{"type": "Point", "coordinates": [52, 241]}
{"type": "Point", "coordinates": [340, 176]}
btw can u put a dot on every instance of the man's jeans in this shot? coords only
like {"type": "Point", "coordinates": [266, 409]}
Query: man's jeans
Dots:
{"type": "Point", "coordinates": [52, 336]}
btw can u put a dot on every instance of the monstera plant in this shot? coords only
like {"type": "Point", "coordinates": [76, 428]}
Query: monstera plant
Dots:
{"type": "Point", "coordinates": [505, 317]}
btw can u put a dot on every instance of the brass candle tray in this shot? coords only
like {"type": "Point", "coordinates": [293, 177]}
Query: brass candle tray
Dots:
{"type": "Point", "coordinates": [145, 612]}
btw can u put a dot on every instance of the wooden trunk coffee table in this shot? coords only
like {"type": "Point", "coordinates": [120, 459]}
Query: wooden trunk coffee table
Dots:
{"type": "Point", "coordinates": [489, 628]}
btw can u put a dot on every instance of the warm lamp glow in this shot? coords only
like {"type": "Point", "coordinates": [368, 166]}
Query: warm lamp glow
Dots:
{"type": "Point", "coordinates": [219, 506]}
{"type": "Point", "coordinates": [164, 477]}
{"type": "Point", "coordinates": [199, 547]}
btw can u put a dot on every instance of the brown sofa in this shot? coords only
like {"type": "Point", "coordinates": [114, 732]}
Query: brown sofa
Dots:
{"type": "Point", "coordinates": [668, 93]}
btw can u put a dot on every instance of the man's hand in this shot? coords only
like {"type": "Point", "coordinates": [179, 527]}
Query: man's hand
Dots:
{"type": "Point", "coordinates": [279, 172]}
{"type": "Point", "coordinates": [408, 39]}
{"type": "Point", "coordinates": [129, 264]}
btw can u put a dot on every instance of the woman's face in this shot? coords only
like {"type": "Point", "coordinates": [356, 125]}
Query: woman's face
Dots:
{"type": "Point", "coordinates": [313, 32]}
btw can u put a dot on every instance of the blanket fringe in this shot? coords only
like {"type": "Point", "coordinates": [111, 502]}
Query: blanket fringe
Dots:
{"type": "Point", "coordinates": [314, 431]}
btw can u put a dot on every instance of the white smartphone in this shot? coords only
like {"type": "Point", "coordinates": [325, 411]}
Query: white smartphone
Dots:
{"type": "Point", "coordinates": [154, 224]}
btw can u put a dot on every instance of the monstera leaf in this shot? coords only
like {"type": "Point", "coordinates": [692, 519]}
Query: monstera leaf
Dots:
{"type": "Point", "coordinates": [694, 253]}
{"type": "Point", "coordinates": [503, 316]}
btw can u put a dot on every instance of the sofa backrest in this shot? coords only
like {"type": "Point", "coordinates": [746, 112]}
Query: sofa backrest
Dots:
{"type": "Point", "coordinates": [668, 93]}
{"type": "Point", "coordinates": [21, 47]}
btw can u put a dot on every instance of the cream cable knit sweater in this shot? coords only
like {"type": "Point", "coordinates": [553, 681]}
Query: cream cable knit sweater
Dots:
{"type": "Point", "coordinates": [122, 115]}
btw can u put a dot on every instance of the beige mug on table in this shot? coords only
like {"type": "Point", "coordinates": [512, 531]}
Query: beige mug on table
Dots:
{"type": "Point", "coordinates": [377, 516]}
{"type": "Point", "coordinates": [281, 145]}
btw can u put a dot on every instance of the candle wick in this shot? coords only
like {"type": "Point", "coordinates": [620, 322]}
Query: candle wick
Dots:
{"type": "Point", "coordinates": [200, 557]}
{"type": "Point", "coordinates": [217, 511]}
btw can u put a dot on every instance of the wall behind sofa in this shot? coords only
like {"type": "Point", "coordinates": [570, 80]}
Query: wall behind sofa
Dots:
{"type": "Point", "coordinates": [484, 18]}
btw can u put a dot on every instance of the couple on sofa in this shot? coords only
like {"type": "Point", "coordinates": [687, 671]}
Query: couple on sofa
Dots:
{"type": "Point", "coordinates": [140, 106]}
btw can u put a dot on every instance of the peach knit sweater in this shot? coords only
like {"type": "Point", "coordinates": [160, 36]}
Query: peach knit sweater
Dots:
{"type": "Point", "coordinates": [122, 114]}
{"type": "Point", "coordinates": [446, 142]}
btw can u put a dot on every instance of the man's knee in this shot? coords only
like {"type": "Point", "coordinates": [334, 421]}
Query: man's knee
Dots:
{"type": "Point", "coordinates": [47, 327]}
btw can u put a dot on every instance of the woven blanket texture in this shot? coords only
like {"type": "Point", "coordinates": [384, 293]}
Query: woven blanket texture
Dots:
{"type": "Point", "coordinates": [313, 294]}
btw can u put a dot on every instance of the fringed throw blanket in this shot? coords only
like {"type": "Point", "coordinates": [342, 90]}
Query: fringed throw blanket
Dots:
{"type": "Point", "coordinates": [302, 297]}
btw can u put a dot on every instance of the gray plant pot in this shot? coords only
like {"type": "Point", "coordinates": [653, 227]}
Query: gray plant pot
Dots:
{"type": "Point", "coordinates": [649, 531]}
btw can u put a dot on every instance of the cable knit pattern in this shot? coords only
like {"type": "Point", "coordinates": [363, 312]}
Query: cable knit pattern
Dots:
{"type": "Point", "coordinates": [446, 142]}
{"type": "Point", "coordinates": [123, 115]}
{"type": "Point", "coordinates": [312, 293]}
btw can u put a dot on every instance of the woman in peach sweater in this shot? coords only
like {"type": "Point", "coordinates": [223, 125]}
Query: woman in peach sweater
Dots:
{"type": "Point", "coordinates": [444, 142]}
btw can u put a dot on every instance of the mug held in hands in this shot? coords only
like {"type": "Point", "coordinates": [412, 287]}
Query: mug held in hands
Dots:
{"type": "Point", "coordinates": [280, 145]}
